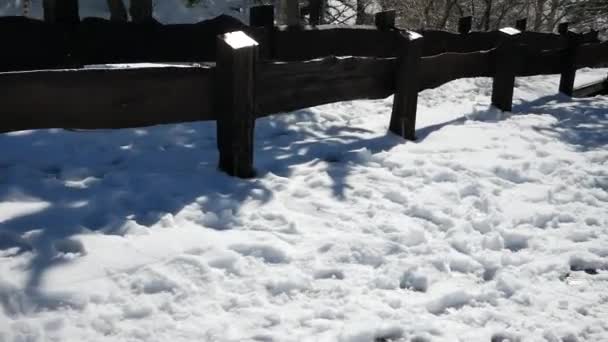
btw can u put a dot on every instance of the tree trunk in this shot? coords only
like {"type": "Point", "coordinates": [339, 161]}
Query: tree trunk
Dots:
{"type": "Point", "coordinates": [118, 11]}
{"type": "Point", "coordinates": [141, 11]}
{"type": "Point", "coordinates": [362, 17]}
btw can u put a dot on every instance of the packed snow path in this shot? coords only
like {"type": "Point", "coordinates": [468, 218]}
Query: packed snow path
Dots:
{"type": "Point", "coordinates": [491, 226]}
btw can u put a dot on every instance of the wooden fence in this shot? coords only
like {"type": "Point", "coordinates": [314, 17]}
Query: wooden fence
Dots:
{"type": "Point", "coordinates": [256, 71]}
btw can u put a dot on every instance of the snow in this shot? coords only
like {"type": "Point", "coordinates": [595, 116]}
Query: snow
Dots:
{"type": "Point", "coordinates": [491, 226]}
{"type": "Point", "coordinates": [239, 40]}
{"type": "Point", "coordinates": [165, 11]}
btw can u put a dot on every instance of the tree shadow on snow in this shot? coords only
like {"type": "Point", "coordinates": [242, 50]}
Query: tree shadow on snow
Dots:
{"type": "Point", "coordinates": [581, 122]}
{"type": "Point", "coordinates": [55, 184]}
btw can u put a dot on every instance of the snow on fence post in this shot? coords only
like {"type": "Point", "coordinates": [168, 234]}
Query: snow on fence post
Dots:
{"type": "Point", "coordinates": [385, 20]}
{"type": "Point", "coordinates": [568, 67]}
{"type": "Point", "coordinates": [263, 16]}
{"type": "Point", "coordinates": [403, 117]}
{"type": "Point", "coordinates": [521, 24]}
{"type": "Point", "coordinates": [61, 11]}
{"type": "Point", "coordinates": [464, 24]}
{"type": "Point", "coordinates": [505, 67]}
{"type": "Point", "coordinates": [235, 76]}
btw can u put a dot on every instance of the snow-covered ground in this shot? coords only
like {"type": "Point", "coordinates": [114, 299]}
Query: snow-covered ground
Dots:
{"type": "Point", "coordinates": [166, 11]}
{"type": "Point", "coordinates": [490, 226]}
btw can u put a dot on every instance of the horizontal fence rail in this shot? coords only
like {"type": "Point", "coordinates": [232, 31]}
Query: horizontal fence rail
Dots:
{"type": "Point", "coordinates": [242, 79]}
{"type": "Point", "coordinates": [100, 41]}
{"type": "Point", "coordinates": [114, 98]}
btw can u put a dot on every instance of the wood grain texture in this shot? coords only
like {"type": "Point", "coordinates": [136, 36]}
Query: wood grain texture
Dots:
{"type": "Point", "coordinates": [589, 55]}
{"type": "Point", "coordinates": [33, 44]}
{"type": "Point", "coordinates": [536, 62]}
{"type": "Point", "coordinates": [310, 42]}
{"type": "Point", "coordinates": [438, 42]}
{"type": "Point", "coordinates": [283, 87]}
{"type": "Point", "coordinates": [105, 98]}
{"type": "Point", "coordinates": [446, 67]}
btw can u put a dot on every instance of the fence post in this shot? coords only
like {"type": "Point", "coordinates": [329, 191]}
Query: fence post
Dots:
{"type": "Point", "coordinates": [61, 11]}
{"type": "Point", "coordinates": [505, 68]}
{"type": "Point", "coordinates": [385, 20]}
{"type": "Point", "coordinates": [263, 16]}
{"type": "Point", "coordinates": [521, 24]}
{"type": "Point", "coordinates": [316, 12]}
{"type": "Point", "coordinates": [289, 11]}
{"type": "Point", "coordinates": [568, 67]}
{"type": "Point", "coordinates": [403, 117]}
{"type": "Point", "coordinates": [235, 76]}
{"type": "Point", "coordinates": [464, 24]}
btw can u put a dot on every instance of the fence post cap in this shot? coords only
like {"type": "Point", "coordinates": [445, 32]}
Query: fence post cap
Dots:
{"type": "Point", "coordinates": [510, 31]}
{"type": "Point", "coordinates": [238, 40]}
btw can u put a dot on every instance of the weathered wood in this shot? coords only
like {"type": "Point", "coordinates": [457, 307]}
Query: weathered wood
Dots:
{"type": "Point", "coordinates": [263, 16]}
{"type": "Point", "coordinates": [590, 55]}
{"type": "Point", "coordinates": [141, 11]}
{"type": "Point", "coordinates": [545, 62]}
{"type": "Point", "coordinates": [403, 117]}
{"type": "Point", "coordinates": [506, 65]}
{"type": "Point", "coordinates": [118, 12]}
{"type": "Point", "coordinates": [464, 24]}
{"type": "Point", "coordinates": [591, 89]}
{"type": "Point", "coordinates": [61, 11]}
{"type": "Point", "coordinates": [562, 28]}
{"type": "Point", "coordinates": [440, 69]}
{"type": "Point", "coordinates": [94, 99]}
{"type": "Point", "coordinates": [385, 20]}
{"type": "Point", "coordinates": [33, 44]}
{"type": "Point", "coordinates": [540, 41]}
{"type": "Point", "coordinates": [330, 40]}
{"type": "Point", "coordinates": [521, 24]}
{"type": "Point", "coordinates": [237, 57]}
{"type": "Point", "coordinates": [291, 10]}
{"type": "Point", "coordinates": [568, 67]}
{"type": "Point", "coordinates": [289, 86]}
{"type": "Point", "coordinates": [438, 42]}
{"type": "Point", "coordinates": [317, 9]}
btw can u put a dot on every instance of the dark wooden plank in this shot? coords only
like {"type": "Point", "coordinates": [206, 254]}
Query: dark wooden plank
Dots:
{"type": "Point", "coordinates": [545, 62]}
{"type": "Point", "coordinates": [568, 67]}
{"type": "Point", "coordinates": [118, 11]}
{"type": "Point", "coordinates": [237, 56]}
{"type": "Point", "coordinates": [33, 44]}
{"type": "Point", "coordinates": [105, 98]}
{"type": "Point", "coordinates": [317, 9]}
{"type": "Point", "coordinates": [440, 69]}
{"type": "Point", "coordinates": [385, 20]}
{"type": "Point", "coordinates": [591, 89]}
{"type": "Point", "coordinates": [521, 24]}
{"type": "Point", "coordinates": [61, 11]}
{"type": "Point", "coordinates": [403, 117]}
{"type": "Point", "coordinates": [100, 41]}
{"type": "Point", "coordinates": [294, 85]}
{"type": "Point", "coordinates": [438, 42]}
{"type": "Point", "coordinates": [590, 55]}
{"type": "Point", "coordinates": [263, 17]}
{"type": "Point", "coordinates": [464, 24]}
{"type": "Point", "coordinates": [507, 62]}
{"type": "Point", "coordinates": [141, 11]}
{"type": "Point", "coordinates": [330, 40]}
{"type": "Point", "coordinates": [542, 41]}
